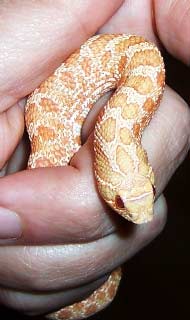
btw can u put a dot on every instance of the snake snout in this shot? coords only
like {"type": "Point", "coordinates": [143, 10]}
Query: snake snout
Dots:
{"type": "Point", "coordinates": [135, 206]}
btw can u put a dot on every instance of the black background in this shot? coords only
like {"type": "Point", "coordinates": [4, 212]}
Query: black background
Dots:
{"type": "Point", "coordinates": [156, 281]}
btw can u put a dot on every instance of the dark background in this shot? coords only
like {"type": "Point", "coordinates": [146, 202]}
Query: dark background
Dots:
{"type": "Point", "coordinates": [156, 281]}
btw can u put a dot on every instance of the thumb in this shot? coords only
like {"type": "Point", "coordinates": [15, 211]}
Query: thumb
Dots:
{"type": "Point", "coordinates": [55, 205]}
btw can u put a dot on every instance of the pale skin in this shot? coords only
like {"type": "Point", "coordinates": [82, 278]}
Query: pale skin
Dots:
{"type": "Point", "coordinates": [60, 205]}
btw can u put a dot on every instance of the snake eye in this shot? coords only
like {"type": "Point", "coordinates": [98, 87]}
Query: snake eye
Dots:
{"type": "Point", "coordinates": [119, 202]}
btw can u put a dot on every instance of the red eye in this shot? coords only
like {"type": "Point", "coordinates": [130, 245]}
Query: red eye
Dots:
{"type": "Point", "coordinates": [119, 202]}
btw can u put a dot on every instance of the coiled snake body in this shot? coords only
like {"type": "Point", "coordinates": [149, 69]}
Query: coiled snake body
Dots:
{"type": "Point", "coordinates": [56, 111]}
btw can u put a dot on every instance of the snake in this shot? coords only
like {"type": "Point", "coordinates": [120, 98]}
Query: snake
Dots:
{"type": "Point", "coordinates": [56, 111]}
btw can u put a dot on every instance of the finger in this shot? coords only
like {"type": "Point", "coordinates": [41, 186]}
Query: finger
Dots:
{"type": "Point", "coordinates": [50, 268]}
{"type": "Point", "coordinates": [43, 200]}
{"type": "Point", "coordinates": [33, 303]}
{"type": "Point", "coordinates": [44, 210]}
{"type": "Point", "coordinates": [11, 131]}
{"type": "Point", "coordinates": [37, 37]}
{"type": "Point", "coordinates": [133, 17]}
{"type": "Point", "coordinates": [173, 24]}
{"type": "Point", "coordinates": [156, 21]}
{"type": "Point", "coordinates": [167, 138]}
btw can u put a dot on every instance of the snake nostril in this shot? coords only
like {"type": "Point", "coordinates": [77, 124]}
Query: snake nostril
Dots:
{"type": "Point", "coordinates": [119, 202]}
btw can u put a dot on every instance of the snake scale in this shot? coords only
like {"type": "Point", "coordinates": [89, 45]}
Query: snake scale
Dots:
{"type": "Point", "coordinates": [55, 113]}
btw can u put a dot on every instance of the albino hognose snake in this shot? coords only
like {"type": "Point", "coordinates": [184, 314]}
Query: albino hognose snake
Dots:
{"type": "Point", "coordinates": [56, 111]}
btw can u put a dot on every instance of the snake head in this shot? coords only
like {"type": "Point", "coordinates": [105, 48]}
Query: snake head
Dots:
{"type": "Point", "coordinates": [135, 204]}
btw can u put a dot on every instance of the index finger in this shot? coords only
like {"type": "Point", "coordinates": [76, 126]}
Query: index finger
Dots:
{"type": "Point", "coordinates": [37, 36]}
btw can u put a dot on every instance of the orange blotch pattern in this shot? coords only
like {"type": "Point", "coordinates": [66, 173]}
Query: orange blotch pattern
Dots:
{"type": "Point", "coordinates": [48, 105]}
{"type": "Point", "coordinates": [46, 133]}
{"type": "Point", "coordinates": [130, 111]}
{"type": "Point", "coordinates": [124, 161]}
{"type": "Point", "coordinates": [136, 130]}
{"type": "Point", "coordinates": [125, 136]}
{"type": "Point", "coordinates": [149, 105]}
{"type": "Point", "coordinates": [142, 85]}
{"type": "Point", "coordinates": [108, 129]}
{"type": "Point", "coordinates": [146, 58]}
{"type": "Point", "coordinates": [122, 63]}
{"type": "Point", "coordinates": [161, 79]}
{"type": "Point", "coordinates": [67, 78]}
{"type": "Point", "coordinates": [47, 85]}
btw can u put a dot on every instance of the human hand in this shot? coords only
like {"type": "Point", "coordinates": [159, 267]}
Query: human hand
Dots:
{"type": "Point", "coordinates": [62, 272]}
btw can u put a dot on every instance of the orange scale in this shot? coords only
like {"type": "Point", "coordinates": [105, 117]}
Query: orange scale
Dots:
{"type": "Point", "coordinates": [112, 291]}
{"type": "Point", "coordinates": [100, 295]}
{"type": "Point", "coordinates": [65, 314]}
{"type": "Point", "coordinates": [122, 80]}
{"type": "Point", "coordinates": [33, 114]}
{"type": "Point", "coordinates": [145, 58]}
{"type": "Point", "coordinates": [136, 130]}
{"type": "Point", "coordinates": [46, 133]}
{"type": "Point", "coordinates": [77, 140]}
{"type": "Point", "coordinates": [79, 119]}
{"type": "Point", "coordinates": [58, 152]}
{"type": "Point", "coordinates": [36, 145]}
{"type": "Point", "coordinates": [118, 100]}
{"type": "Point", "coordinates": [48, 84]}
{"type": "Point", "coordinates": [80, 97]}
{"type": "Point", "coordinates": [56, 124]}
{"type": "Point", "coordinates": [142, 84]}
{"type": "Point", "coordinates": [144, 121]}
{"type": "Point", "coordinates": [86, 66]}
{"type": "Point", "coordinates": [77, 308]}
{"type": "Point", "coordinates": [73, 59]}
{"type": "Point", "coordinates": [84, 87]}
{"type": "Point", "coordinates": [124, 44]}
{"type": "Point", "coordinates": [48, 105]}
{"type": "Point", "coordinates": [65, 140]}
{"type": "Point", "coordinates": [122, 64]}
{"type": "Point", "coordinates": [93, 86]}
{"type": "Point", "coordinates": [66, 102]}
{"type": "Point", "coordinates": [160, 79]}
{"type": "Point", "coordinates": [67, 77]}
{"type": "Point", "coordinates": [149, 105]}
{"type": "Point", "coordinates": [106, 58]}
{"type": "Point", "coordinates": [91, 309]}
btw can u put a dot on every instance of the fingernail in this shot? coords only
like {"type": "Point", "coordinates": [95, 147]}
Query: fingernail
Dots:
{"type": "Point", "coordinates": [10, 224]}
